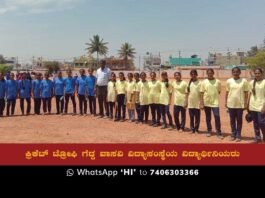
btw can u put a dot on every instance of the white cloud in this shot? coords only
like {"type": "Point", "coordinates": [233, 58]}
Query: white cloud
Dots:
{"type": "Point", "coordinates": [35, 6]}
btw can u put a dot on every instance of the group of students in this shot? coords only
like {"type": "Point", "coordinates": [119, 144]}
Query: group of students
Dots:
{"type": "Point", "coordinates": [43, 89]}
{"type": "Point", "coordinates": [140, 94]}
{"type": "Point", "coordinates": [137, 95]}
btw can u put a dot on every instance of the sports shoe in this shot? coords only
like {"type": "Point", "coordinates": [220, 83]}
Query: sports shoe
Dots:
{"type": "Point", "coordinates": [232, 138]}
{"type": "Point", "coordinates": [220, 137]}
{"type": "Point", "coordinates": [164, 127]}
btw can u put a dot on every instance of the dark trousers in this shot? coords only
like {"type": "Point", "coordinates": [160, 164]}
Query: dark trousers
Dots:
{"type": "Point", "coordinates": [111, 107]}
{"type": "Point", "coordinates": [195, 117]}
{"type": "Point", "coordinates": [47, 102]}
{"type": "Point", "coordinates": [67, 96]}
{"type": "Point", "coordinates": [144, 113]}
{"type": "Point", "coordinates": [37, 105]}
{"type": "Point", "coordinates": [138, 111]}
{"type": "Point", "coordinates": [92, 104]}
{"type": "Point", "coordinates": [59, 104]}
{"type": "Point", "coordinates": [258, 124]}
{"type": "Point", "coordinates": [208, 115]}
{"type": "Point", "coordinates": [236, 118]}
{"type": "Point", "coordinates": [10, 103]}
{"type": "Point", "coordinates": [28, 100]}
{"type": "Point", "coordinates": [156, 113]}
{"type": "Point", "coordinates": [82, 102]}
{"type": "Point", "coordinates": [121, 106]}
{"type": "Point", "coordinates": [2, 106]}
{"type": "Point", "coordinates": [180, 110]}
{"type": "Point", "coordinates": [165, 112]}
{"type": "Point", "coordinates": [102, 92]}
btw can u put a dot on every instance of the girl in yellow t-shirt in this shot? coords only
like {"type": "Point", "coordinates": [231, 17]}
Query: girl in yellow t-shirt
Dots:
{"type": "Point", "coordinates": [165, 100]}
{"type": "Point", "coordinates": [210, 90]}
{"type": "Point", "coordinates": [121, 97]}
{"type": "Point", "coordinates": [179, 89]}
{"type": "Point", "coordinates": [193, 101]}
{"type": "Point", "coordinates": [137, 102]}
{"type": "Point", "coordinates": [143, 90]}
{"type": "Point", "coordinates": [236, 101]}
{"type": "Point", "coordinates": [112, 94]}
{"type": "Point", "coordinates": [131, 86]}
{"type": "Point", "coordinates": [153, 98]}
{"type": "Point", "coordinates": [257, 104]}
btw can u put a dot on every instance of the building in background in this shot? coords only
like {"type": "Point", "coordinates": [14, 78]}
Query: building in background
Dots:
{"type": "Point", "coordinates": [115, 63]}
{"type": "Point", "coordinates": [192, 61]}
{"type": "Point", "coordinates": [152, 62]}
{"type": "Point", "coordinates": [226, 60]}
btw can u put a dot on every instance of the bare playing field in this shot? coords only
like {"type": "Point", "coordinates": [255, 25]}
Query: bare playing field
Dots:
{"type": "Point", "coordinates": [76, 129]}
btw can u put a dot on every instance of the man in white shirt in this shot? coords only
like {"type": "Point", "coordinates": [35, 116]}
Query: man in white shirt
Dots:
{"type": "Point", "coordinates": [103, 76]}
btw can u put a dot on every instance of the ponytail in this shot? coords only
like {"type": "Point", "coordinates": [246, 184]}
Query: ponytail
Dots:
{"type": "Point", "coordinates": [167, 84]}
{"type": "Point", "coordinates": [254, 87]}
{"type": "Point", "coordinates": [255, 81]}
{"type": "Point", "coordinates": [189, 85]}
{"type": "Point", "coordinates": [194, 71]}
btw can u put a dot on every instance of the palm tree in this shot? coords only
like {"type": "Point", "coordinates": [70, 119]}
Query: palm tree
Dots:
{"type": "Point", "coordinates": [126, 52]}
{"type": "Point", "coordinates": [97, 45]}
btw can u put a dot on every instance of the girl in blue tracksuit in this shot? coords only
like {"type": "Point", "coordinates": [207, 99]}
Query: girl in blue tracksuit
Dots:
{"type": "Point", "coordinates": [59, 92]}
{"type": "Point", "coordinates": [36, 93]}
{"type": "Point", "coordinates": [24, 90]}
{"type": "Point", "coordinates": [81, 90]}
{"type": "Point", "coordinates": [69, 86]}
{"type": "Point", "coordinates": [11, 94]}
{"type": "Point", "coordinates": [46, 93]}
{"type": "Point", "coordinates": [2, 93]}
{"type": "Point", "coordinates": [91, 87]}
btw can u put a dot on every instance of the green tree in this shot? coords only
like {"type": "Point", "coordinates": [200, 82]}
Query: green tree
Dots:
{"type": "Point", "coordinates": [97, 45]}
{"type": "Point", "coordinates": [2, 59]}
{"type": "Point", "coordinates": [127, 51]}
{"type": "Point", "coordinates": [253, 51]}
{"type": "Point", "coordinates": [256, 61]}
{"type": "Point", "coordinates": [52, 66]}
{"type": "Point", "coordinates": [5, 68]}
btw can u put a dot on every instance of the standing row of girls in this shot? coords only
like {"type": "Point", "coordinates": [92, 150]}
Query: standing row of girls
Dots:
{"type": "Point", "coordinates": [195, 96]}
{"type": "Point", "coordinates": [42, 90]}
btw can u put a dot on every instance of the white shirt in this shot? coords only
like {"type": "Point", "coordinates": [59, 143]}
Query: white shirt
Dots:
{"type": "Point", "coordinates": [103, 76]}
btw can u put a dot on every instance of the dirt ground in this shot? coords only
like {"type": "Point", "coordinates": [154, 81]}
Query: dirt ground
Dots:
{"type": "Point", "coordinates": [89, 129]}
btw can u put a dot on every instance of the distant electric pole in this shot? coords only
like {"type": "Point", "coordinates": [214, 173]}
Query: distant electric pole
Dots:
{"type": "Point", "coordinates": [139, 63]}
{"type": "Point", "coordinates": [264, 43]}
{"type": "Point", "coordinates": [33, 62]}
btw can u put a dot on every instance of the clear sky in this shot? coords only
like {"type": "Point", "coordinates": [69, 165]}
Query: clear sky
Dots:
{"type": "Point", "coordinates": [59, 29]}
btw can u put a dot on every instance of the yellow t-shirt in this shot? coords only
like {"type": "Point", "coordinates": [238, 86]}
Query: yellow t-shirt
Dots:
{"type": "Point", "coordinates": [211, 90]}
{"type": "Point", "coordinates": [121, 87]}
{"type": "Point", "coordinates": [111, 92]}
{"type": "Point", "coordinates": [256, 102]}
{"type": "Point", "coordinates": [143, 89]}
{"type": "Point", "coordinates": [136, 92]}
{"type": "Point", "coordinates": [131, 87]}
{"type": "Point", "coordinates": [165, 93]}
{"type": "Point", "coordinates": [236, 89]}
{"type": "Point", "coordinates": [194, 95]}
{"type": "Point", "coordinates": [179, 89]}
{"type": "Point", "coordinates": [154, 93]}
